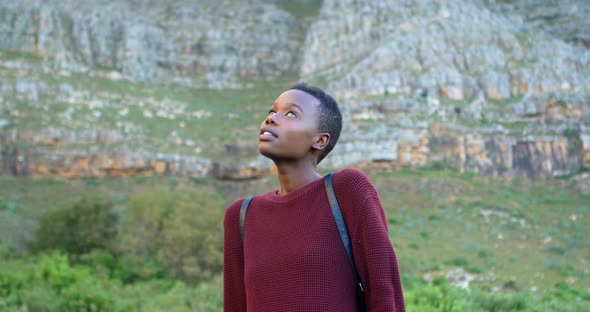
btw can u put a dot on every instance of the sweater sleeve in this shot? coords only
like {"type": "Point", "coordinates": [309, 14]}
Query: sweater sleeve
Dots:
{"type": "Point", "coordinates": [372, 250]}
{"type": "Point", "coordinates": [234, 292]}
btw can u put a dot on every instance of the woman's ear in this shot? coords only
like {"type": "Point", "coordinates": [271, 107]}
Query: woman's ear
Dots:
{"type": "Point", "coordinates": [321, 141]}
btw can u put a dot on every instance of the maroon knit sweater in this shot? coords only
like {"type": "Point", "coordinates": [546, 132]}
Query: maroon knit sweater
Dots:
{"type": "Point", "coordinates": [292, 257]}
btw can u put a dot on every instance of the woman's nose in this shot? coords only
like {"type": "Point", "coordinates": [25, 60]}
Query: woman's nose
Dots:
{"type": "Point", "coordinates": [271, 119]}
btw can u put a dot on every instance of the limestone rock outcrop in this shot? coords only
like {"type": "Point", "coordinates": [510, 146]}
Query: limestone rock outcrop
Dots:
{"type": "Point", "coordinates": [495, 87]}
{"type": "Point", "coordinates": [452, 49]}
{"type": "Point", "coordinates": [513, 99]}
{"type": "Point", "coordinates": [198, 43]}
{"type": "Point", "coordinates": [564, 19]}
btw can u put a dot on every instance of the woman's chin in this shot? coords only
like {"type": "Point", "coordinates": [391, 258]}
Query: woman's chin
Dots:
{"type": "Point", "coordinates": [265, 151]}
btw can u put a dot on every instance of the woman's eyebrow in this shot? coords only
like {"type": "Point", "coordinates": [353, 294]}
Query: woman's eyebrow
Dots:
{"type": "Point", "coordinates": [289, 104]}
{"type": "Point", "coordinates": [296, 105]}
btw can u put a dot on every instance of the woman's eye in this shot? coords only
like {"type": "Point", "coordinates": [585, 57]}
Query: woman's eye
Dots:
{"type": "Point", "coordinates": [291, 114]}
{"type": "Point", "coordinates": [271, 112]}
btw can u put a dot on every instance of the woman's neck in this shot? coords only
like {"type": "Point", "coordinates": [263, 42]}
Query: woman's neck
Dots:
{"type": "Point", "coordinates": [292, 176]}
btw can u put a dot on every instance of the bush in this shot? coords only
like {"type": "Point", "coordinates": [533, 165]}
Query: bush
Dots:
{"type": "Point", "coordinates": [436, 296]}
{"type": "Point", "coordinates": [82, 226]}
{"type": "Point", "coordinates": [176, 296]}
{"type": "Point", "coordinates": [181, 231]}
{"type": "Point", "coordinates": [504, 302]}
{"type": "Point", "coordinates": [439, 295]}
{"type": "Point", "coordinates": [49, 283]}
{"type": "Point", "coordinates": [578, 299]}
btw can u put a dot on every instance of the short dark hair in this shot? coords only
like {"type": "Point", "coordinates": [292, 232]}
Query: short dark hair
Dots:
{"type": "Point", "coordinates": [329, 113]}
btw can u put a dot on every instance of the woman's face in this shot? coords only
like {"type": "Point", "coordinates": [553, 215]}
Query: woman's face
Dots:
{"type": "Point", "coordinates": [291, 127]}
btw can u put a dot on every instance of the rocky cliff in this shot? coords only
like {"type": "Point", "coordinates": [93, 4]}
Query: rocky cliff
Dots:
{"type": "Point", "coordinates": [95, 88]}
{"type": "Point", "coordinates": [511, 100]}
{"type": "Point", "coordinates": [198, 43]}
{"type": "Point", "coordinates": [565, 19]}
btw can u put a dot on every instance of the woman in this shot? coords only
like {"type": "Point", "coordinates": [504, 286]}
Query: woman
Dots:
{"type": "Point", "coordinates": [291, 256]}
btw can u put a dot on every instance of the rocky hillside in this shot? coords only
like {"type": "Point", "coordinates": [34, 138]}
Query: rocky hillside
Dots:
{"type": "Point", "coordinates": [142, 87]}
{"type": "Point", "coordinates": [565, 19]}
{"type": "Point", "coordinates": [198, 43]}
{"type": "Point", "coordinates": [452, 81]}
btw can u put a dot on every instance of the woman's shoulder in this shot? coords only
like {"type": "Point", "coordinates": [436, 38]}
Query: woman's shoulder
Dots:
{"type": "Point", "coordinates": [351, 176]}
{"type": "Point", "coordinates": [353, 183]}
{"type": "Point", "coordinates": [233, 210]}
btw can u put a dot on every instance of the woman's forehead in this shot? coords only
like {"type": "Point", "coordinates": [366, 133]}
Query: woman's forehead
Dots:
{"type": "Point", "coordinates": [298, 97]}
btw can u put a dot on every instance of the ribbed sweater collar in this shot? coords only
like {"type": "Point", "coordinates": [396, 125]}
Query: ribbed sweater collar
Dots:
{"type": "Point", "coordinates": [274, 197]}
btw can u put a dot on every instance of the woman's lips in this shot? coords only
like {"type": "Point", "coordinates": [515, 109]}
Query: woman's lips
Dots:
{"type": "Point", "coordinates": [266, 136]}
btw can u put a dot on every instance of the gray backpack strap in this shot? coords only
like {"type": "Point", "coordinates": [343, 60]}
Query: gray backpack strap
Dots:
{"type": "Point", "coordinates": [342, 230]}
{"type": "Point", "coordinates": [243, 210]}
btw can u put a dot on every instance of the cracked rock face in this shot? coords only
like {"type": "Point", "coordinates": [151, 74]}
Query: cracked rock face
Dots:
{"type": "Point", "coordinates": [566, 19]}
{"type": "Point", "coordinates": [200, 43]}
{"type": "Point", "coordinates": [495, 87]}
{"type": "Point", "coordinates": [451, 49]}
{"type": "Point", "coordinates": [404, 63]}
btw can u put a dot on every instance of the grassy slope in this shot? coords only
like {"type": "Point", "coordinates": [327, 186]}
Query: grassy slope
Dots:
{"type": "Point", "coordinates": [156, 114]}
{"type": "Point", "coordinates": [193, 121]}
{"type": "Point", "coordinates": [167, 118]}
{"type": "Point", "coordinates": [533, 237]}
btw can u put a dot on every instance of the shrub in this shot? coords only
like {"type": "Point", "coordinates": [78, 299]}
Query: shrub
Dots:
{"type": "Point", "coordinates": [436, 296]}
{"type": "Point", "coordinates": [565, 292]}
{"type": "Point", "coordinates": [504, 302]}
{"type": "Point", "coordinates": [564, 297]}
{"type": "Point", "coordinates": [181, 230]}
{"type": "Point", "coordinates": [50, 283]}
{"type": "Point", "coordinates": [82, 226]}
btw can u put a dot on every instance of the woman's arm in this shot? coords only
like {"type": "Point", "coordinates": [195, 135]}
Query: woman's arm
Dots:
{"type": "Point", "coordinates": [373, 253]}
{"type": "Point", "coordinates": [234, 290]}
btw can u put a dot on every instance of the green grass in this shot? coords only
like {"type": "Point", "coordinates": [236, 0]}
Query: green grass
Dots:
{"type": "Point", "coordinates": [170, 117]}
{"type": "Point", "coordinates": [300, 9]}
{"type": "Point", "coordinates": [512, 234]}
{"type": "Point", "coordinates": [502, 103]}
{"type": "Point", "coordinates": [439, 222]}
{"type": "Point", "coordinates": [515, 237]}
{"type": "Point", "coordinates": [19, 56]}
{"type": "Point", "coordinates": [530, 234]}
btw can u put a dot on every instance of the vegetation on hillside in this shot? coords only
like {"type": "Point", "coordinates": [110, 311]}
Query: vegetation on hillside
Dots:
{"type": "Point", "coordinates": [464, 242]}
